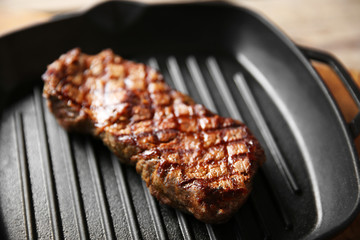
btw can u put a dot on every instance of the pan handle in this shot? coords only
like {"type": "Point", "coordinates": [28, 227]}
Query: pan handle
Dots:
{"type": "Point", "coordinates": [344, 76]}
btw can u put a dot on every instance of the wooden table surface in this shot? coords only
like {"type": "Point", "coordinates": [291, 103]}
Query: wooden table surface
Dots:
{"type": "Point", "coordinates": [331, 25]}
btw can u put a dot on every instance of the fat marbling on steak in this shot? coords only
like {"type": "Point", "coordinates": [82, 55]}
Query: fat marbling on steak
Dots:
{"type": "Point", "coordinates": [189, 157]}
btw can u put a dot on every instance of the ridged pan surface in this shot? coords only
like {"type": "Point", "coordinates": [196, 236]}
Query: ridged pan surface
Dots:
{"type": "Point", "coordinates": [55, 184]}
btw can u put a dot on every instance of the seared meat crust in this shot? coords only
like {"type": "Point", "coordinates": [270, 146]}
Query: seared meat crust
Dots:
{"type": "Point", "coordinates": [189, 157]}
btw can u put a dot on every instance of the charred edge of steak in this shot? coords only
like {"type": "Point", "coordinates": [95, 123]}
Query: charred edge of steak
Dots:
{"type": "Point", "coordinates": [208, 204]}
{"type": "Point", "coordinates": [190, 158]}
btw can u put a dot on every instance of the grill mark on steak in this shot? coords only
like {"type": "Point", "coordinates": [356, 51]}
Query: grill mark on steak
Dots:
{"type": "Point", "coordinates": [189, 157]}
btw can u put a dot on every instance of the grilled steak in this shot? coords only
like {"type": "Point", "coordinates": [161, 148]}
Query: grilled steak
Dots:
{"type": "Point", "coordinates": [189, 157]}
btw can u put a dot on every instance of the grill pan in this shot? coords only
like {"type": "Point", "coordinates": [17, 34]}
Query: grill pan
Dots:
{"type": "Point", "coordinates": [56, 185]}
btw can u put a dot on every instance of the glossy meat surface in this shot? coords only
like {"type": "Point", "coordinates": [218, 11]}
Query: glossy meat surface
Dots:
{"type": "Point", "coordinates": [189, 157]}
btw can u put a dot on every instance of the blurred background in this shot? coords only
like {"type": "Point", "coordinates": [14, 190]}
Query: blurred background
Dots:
{"type": "Point", "coordinates": [332, 25]}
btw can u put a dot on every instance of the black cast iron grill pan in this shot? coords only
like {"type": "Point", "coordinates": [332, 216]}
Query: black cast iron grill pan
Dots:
{"type": "Point", "coordinates": [59, 185]}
